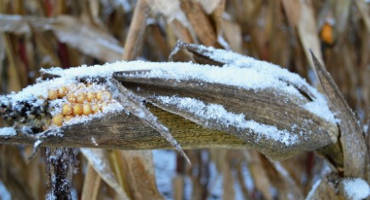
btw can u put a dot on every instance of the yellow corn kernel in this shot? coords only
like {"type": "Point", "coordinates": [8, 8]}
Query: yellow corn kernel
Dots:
{"type": "Point", "coordinates": [87, 109]}
{"type": "Point", "coordinates": [67, 109]}
{"type": "Point", "coordinates": [81, 98]}
{"type": "Point", "coordinates": [58, 120]}
{"type": "Point", "coordinates": [72, 98]}
{"type": "Point", "coordinates": [90, 96]}
{"type": "Point", "coordinates": [327, 34]}
{"type": "Point", "coordinates": [52, 94]}
{"type": "Point", "coordinates": [62, 92]}
{"type": "Point", "coordinates": [95, 108]}
{"type": "Point", "coordinates": [77, 109]}
{"type": "Point", "coordinates": [99, 96]}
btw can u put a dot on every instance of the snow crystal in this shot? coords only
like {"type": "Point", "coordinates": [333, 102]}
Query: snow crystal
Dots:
{"type": "Point", "coordinates": [217, 112]}
{"type": "Point", "coordinates": [7, 131]}
{"type": "Point", "coordinates": [356, 188]}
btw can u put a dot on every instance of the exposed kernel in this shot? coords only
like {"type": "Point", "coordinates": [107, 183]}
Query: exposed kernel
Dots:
{"type": "Point", "coordinates": [72, 98]}
{"type": "Point", "coordinates": [99, 96]}
{"type": "Point", "coordinates": [90, 96]}
{"type": "Point", "coordinates": [326, 34]}
{"type": "Point", "coordinates": [77, 109]}
{"type": "Point", "coordinates": [81, 98]}
{"type": "Point", "coordinates": [67, 109]}
{"type": "Point", "coordinates": [87, 109]}
{"type": "Point", "coordinates": [62, 92]}
{"type": "Point", "coordinates": [52, 94]}
{"type": "Point", "coordinates": [58, 120]}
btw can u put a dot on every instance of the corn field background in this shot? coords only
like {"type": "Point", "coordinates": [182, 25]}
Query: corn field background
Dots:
{"type": "Point", "coordinates": [37, 34]}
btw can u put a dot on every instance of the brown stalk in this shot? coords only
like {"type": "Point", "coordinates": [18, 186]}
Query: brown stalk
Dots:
{"type": "Point", "coordinates": [136, 30]}
{"type": "Point", "coordinates": [200, 22]}
{"type": "Point", "coordinates": [91, 184]}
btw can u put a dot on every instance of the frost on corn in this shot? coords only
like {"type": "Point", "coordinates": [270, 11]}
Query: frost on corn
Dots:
{"type": "Point", "coordinates": [43, 105]}
{"type": "Point", "coordinates": [78, 103]}
{"type": "Point", "coordinates": [240, 71]}
{"type": "Point", "coordinates": [220, 115]}
{"type": "Point", "coordinates": [244, 72]}
{"type": "Point", "coordinates": [318, 106]}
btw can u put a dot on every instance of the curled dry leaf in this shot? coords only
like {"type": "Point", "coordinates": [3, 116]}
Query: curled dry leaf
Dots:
{"type": "Point", "coordinates": [98, 159]}
{"type": "Point", "coordinates": [352, 141]}
{"type": "Point", "coordinates": [84, 37]}
{"type": "Point", "coordinates": [307, 30]}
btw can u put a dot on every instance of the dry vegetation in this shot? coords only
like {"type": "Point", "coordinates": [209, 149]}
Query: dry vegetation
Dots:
{"type": "Point", "coordinates": [67, 33]}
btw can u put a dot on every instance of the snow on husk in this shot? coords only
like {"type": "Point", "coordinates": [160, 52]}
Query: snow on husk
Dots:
{"type": "Point", "coordinates": [356, 188]}
{"type": "Point", "coordinates": [218, 113]}
{"type": "Point", "coordinates": [242, 71]}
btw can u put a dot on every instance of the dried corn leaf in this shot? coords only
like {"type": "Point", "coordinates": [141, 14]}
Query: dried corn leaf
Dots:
{"type": "Point", "coordinates": [140, 178]}
{"type": "Point", "coordinates": [307, 31]}
{"type": "Point", "coordinates": [170, 9]}
{"type": "Point", "coordinates": [91, 184]}
{"type": "Point", "coordinates": [355, 152]}
{"type": "Point", "coordinates": [14, 75]}
{"type": "Point", "coordinates": [84, 37]}
{"type": "Point", "coordinates": [98, 159]}
{"type": "Point", "coordinates": [324, 188]}
{"type": "Point", "coordinates": [292, 9]}
{"type": "Point", "coordinates": [261, 180]}
{"type": "Point", "coordinates": [364, 11]}
{"type": "Point", "coordinates": [200, 22]}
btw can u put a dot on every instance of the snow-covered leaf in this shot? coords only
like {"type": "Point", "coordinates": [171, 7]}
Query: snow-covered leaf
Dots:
{"type": "Point", "coordinates": [355, 152]}
{"type": "Point", "coordinates": [267, 107]}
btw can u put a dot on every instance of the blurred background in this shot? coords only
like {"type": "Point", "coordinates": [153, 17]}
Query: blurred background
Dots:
{"type": "Point", "coordinates": [38, 34]}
